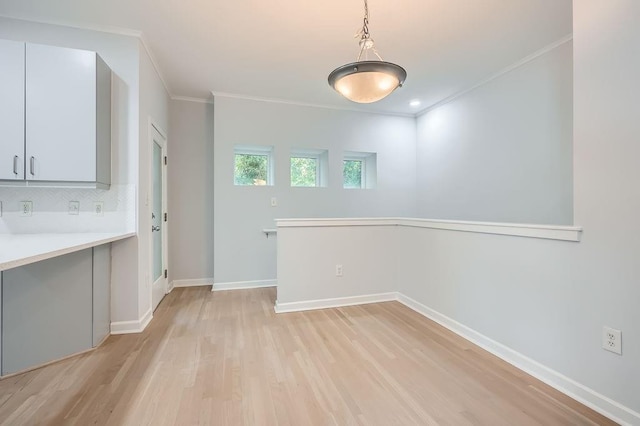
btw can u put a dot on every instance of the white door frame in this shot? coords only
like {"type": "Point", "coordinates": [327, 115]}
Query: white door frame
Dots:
{"type": "Point", "coordinates": [163, 282]}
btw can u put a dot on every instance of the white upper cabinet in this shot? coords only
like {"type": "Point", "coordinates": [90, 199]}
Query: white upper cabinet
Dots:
{"type": "Point", "coordinates": [65, 98]}
{"type": "Point", "coordinates": [12, 75]}
{"type": "Point", "coordinates": [61, 114]}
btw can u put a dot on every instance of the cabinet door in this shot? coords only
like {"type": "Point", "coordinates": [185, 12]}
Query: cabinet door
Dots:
{"type": "Point", "coordinates": [46, 311]}
{"type": "Point", "coordinates": [11, 110]}
{"type": "Point", "coordinates": [101, 293]}
{"type": "Point", "coordinates": [1, 279]}
{"type": "Point", "coordinates": [60, 114]}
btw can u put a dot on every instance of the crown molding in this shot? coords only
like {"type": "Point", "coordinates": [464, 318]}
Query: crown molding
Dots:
{"type": "Point", "coordinates": [306, 104]}
{"type": "Point", "coordinates": [154, 63]}
{"type": "Point", "coordinates": [500, 73]}
{"type": "Point", "coordinates": [192, 99]}
{"type": "Point", "coordinates": [62, 23]}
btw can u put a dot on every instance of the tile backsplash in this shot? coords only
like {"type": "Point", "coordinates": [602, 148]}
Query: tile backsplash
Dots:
{"type": "Point", "coordinates": [51, 210]}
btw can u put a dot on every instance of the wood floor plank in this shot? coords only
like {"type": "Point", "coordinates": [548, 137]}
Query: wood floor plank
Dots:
{"type": "Point", "coordinates": [225, 358]}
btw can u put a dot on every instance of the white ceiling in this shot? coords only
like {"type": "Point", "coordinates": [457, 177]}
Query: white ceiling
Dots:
{"type": "Point", "coordinates": [284, 49]}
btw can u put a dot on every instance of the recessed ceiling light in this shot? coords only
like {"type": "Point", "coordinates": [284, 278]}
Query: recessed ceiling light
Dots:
{"type": "Point", "coordinates": [415, 103]}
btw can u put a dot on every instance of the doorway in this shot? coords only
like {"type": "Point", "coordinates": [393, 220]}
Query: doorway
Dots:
{"type": "Point", "coordinates": [158, 216]}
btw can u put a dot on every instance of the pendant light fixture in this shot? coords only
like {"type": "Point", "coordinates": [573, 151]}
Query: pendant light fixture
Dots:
{"type": "Point", "coordinates": [366, 81]}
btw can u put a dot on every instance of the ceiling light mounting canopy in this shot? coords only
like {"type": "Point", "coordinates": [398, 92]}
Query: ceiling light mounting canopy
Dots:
{"type": "Point", "coordinates": [366, 81]}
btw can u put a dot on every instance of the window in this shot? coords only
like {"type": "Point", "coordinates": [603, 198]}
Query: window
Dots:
{"type": "Point", "coordinates": [309, 168]}
{"type": "Point", "coordinates": [359, 170]}
{"type": "Point", "coordinates": [253, 166]}
{"type": "Point", "coordinates": [304, 171]}
{"type": "Point", "coordinates": [352, 173]}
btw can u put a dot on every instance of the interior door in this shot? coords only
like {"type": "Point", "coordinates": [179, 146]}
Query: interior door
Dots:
{"type": "Point", "coordinates": [158, 224]}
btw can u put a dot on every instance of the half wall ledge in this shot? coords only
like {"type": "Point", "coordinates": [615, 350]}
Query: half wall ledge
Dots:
{"type": "Point", "coordinates": [549, 232]}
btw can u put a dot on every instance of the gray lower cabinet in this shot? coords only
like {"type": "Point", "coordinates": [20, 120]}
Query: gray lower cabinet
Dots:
{"type": "Point", "coordinates": [101, 293]}
{"type": "Point", "coordinates": [54, 308]}
{"type": "Point", "coordinates": [1, 278]}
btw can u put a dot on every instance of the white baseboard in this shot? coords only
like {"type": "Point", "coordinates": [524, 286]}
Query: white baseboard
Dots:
{"type": "Point", "coordinates": [129, 327]}
{"type": "Point", "coordinates": [592, 399]}
{"type": "Point", "coordinates": [190, 283]}
{"type": "Point", "coordinates": [242, 285]}
{"type": "Point", "coordinates": [334, 303]}
{"type": "Point", "coordinates": [55, 361]}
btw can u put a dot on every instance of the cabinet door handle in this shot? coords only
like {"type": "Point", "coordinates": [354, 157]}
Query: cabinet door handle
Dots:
{"type": "Point", "coordinates": [32, 166]}
{"type": "Point", "coordinates": [15, 164]}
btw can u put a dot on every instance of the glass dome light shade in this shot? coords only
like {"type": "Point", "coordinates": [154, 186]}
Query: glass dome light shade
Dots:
{"type": "Point", "coordinates": [367, 81]}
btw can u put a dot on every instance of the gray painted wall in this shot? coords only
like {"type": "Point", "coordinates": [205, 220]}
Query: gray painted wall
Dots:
{"type": "Point", "coordinates": [547, 299]}
{"type": "Point", "coordinates": [502, 152]}
{"type": "Point", "coordinates": [191, 191]}
{"type": "Point", "coordinates": [499, 153]}
{"type": "Point", "coordinates": [242, 252]}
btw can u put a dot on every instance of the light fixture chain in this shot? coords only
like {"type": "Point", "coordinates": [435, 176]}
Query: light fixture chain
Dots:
{"type": "Point", "coordinates": [365, 26]}
{"type": "Point", "coordinates": [366, 42]}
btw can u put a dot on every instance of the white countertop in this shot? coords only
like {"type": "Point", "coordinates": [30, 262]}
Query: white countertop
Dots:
{"type": "Point", "coordinates": [22, 249]}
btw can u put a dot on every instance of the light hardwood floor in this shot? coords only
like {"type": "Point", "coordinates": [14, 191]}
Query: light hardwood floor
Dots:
{"type": "Point", "coordinates": [225, 358]}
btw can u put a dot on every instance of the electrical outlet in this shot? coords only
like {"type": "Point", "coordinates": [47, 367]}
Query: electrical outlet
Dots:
{"type": "Point", "coordinates": [274, 202]}
{"type": "Point", "coordinates": [338, 270]}
{"type": "Point", "coordinates": [612, 340]}
{"type": "Point", "coordinates": [26, 208]}
{"type": "Point", "coordinates": [98, 208]}
{"type": "Point", "coordinates": [74, 207]}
